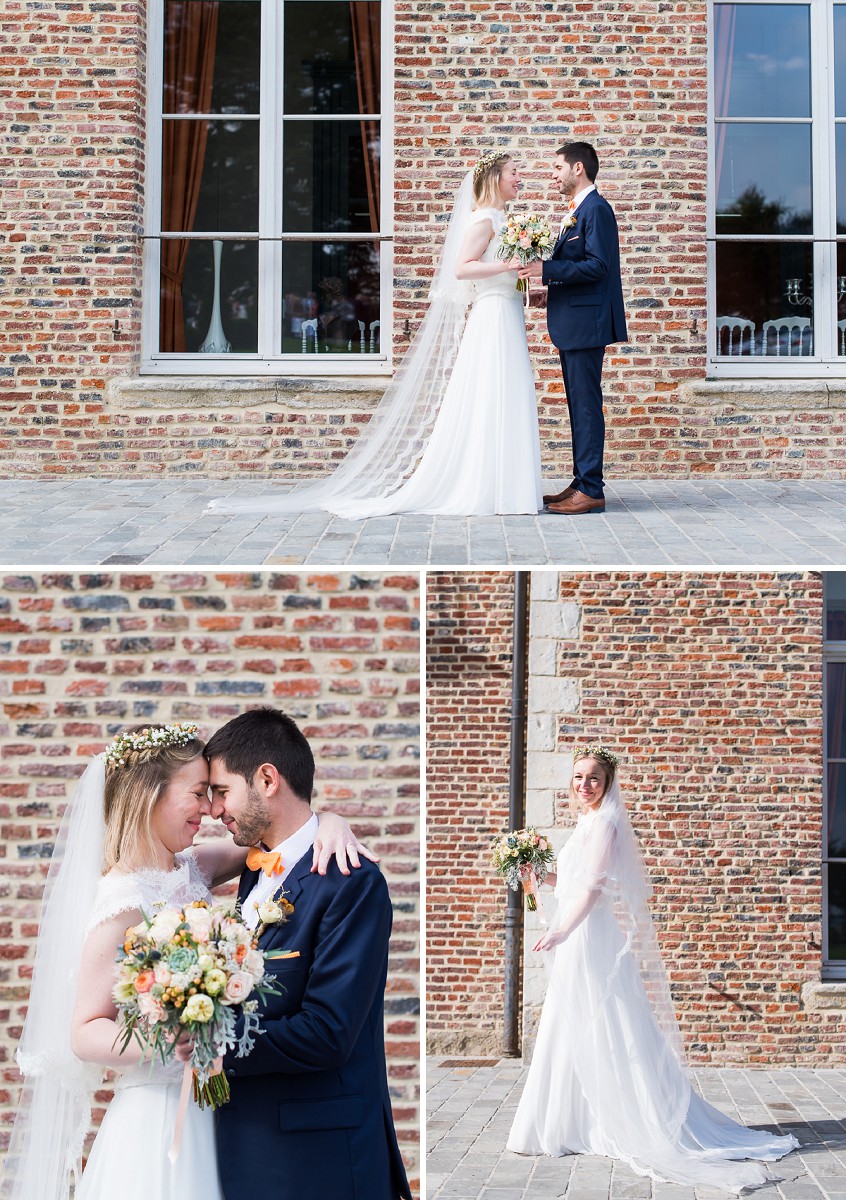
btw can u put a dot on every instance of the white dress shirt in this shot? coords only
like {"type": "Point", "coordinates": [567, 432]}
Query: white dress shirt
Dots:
{"type": "Point", "coordinates": [291, 850]}
{"type": "Point", "coordinates": [576, 202]}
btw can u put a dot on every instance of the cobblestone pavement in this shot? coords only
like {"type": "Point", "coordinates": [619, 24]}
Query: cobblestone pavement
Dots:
{"type": "Point", "coordinates": [683, 523]}
{"type": "Point", "coordinates": [470, 1110]}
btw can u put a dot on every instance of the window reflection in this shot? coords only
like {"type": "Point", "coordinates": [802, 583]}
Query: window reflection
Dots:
{"type": "Point", "coordinates": [840, 60]}
{"type": "Point", "coordinates": [331, 298]}
{"type": "Point", "coordinates": [327, 170]}
{"type": "Point", "coordinates": [211, 184]}
{"type": "Point", "coordinates": [762, 60]}
{"type": "Point", "coordinates": [756, 192]}
{"type": "Point", "coordinates": [332, 57]}
{"type": "Point", "coordinates": [211, 54]}
{"type": "Point", "coordinates": [189, 287]}
{"type": "Point", "coordinates": [755, 315]}
{"type": "Point", "coordinates": [837, 911]}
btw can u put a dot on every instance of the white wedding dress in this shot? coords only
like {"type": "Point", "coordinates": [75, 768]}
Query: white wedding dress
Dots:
{"type": "Point", "coordinates": [607, 1075]}
{"type": "Point", "coordinates": [129, 1158]}
{"type": "Point", "coordinates": [483, 455]}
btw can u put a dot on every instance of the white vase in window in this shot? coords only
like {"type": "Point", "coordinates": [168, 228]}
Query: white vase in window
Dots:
{"type": "Point", "coordinates": [215, 340]}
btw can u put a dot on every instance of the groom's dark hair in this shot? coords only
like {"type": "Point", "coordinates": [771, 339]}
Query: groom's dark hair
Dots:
{"type": "Point", "coordinates": [583, 152]}
{"type": "Point", "coordinates": [265, 735]}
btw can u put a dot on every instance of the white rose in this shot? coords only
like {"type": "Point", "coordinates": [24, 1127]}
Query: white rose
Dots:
{"type": "Point", "coordinates": [199, 922]}
{"type": "Point", "coordinates": [270, 912]}
{"type": "Point", "coordinates": [239, 934]}
{"type": "Point", "coordinates": [238, 988]}
{"type": "Point", "coordinates": [164, 925]}
{"type": "Point", "coordinates": [151, 1008]}
{"type": "Point", "coordinates": [198, 1008]}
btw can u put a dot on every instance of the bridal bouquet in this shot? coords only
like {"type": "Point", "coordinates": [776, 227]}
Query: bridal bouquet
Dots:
{"type": "Point", "coordinates": [526, 237]}
{"type": "Point", "coordinates": [514, 853]}
{"type": "Point", "coordinates": [192, 969]}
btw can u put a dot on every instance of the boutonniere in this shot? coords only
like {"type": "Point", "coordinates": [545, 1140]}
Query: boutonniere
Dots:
{"type": "Point", "coordinates": [273, 912]}
{"type": "Point", "coordinates": [569, 221]}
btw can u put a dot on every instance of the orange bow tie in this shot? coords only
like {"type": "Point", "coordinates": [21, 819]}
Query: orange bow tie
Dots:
{"type": "Point", "coordinates": [269, 861]}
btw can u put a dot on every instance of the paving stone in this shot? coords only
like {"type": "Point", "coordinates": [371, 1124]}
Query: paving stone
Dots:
{"type": "Point", "coordinates": [665, 523]}
{"type": "Point", "coordinates": [461, 1099]}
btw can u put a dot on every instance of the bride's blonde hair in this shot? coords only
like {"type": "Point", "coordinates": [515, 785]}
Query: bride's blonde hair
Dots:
{"type": "Point", "coordinates": [486, 176]}
{"type": "Point", "coordinates": [131, 792]}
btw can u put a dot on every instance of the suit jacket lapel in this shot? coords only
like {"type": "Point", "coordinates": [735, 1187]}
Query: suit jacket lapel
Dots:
{"type": "Point", "coordinates": [246, 884]}
{"type": "Point", "coordinates": [290, 890]}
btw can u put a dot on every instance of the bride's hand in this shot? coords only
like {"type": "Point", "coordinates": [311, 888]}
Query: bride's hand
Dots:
{"type": "Point", "coordinates": [512, 264]}
{"type": "Point", "coordinates": [335, 837]}
{"type": "Point", "coordinates": [550, 940]}
{"type": "Point", "coordinates": [184, 1047]}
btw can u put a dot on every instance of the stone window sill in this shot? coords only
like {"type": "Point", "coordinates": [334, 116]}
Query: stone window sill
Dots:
{"type": "Point", "coordinates": [827, 996]}
{"type": "Point", "coordinates": [186, 391]}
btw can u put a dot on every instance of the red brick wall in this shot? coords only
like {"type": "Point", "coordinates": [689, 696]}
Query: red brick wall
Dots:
{"type": "Point", "coordinates": [632, 78]}
{"type": "Point", "coordinates": [84, 654]}
{"type": "Point", "coordinates": [710, 686]}
{"type": "Point", "coordinates": [468, 690]}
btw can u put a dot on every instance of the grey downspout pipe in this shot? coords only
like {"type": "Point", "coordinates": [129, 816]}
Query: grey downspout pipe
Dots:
{"type": "Point", "coordinates": [516, 811]}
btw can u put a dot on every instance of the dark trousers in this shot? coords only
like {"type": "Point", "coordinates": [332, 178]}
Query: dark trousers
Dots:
{"type": "Point", "coordinates": [582, 371]}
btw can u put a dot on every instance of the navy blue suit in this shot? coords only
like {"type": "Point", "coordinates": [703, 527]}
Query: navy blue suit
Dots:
{"type": "Point", "coordinates": [310, 1113]}
{"type": "Point", "coordinates": [585, 313]}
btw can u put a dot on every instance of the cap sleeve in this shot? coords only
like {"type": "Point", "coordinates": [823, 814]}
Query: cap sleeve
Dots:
{"type": "Point", "coordinates": [116, 893]}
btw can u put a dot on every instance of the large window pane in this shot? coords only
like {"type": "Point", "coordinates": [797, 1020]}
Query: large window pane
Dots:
{"type": "Point", "coordinates": [211, 56]}
{"type": "Point", "coordinates": [762, 60]}
{"type": "Point", "coordinates": [835, 606]}
{"type": "Point", "coordinates": [327, 172]}
{"type": "Point", "coordinates": [837, 911]}
{"type": "Point", "coordinates": [840, 169]}
{"type": "Point", "coordinates": [754, 314]}
{"type": "Point", "coordinates": [836, 710]}
{"type": "Point", "coordinates": [840, 60]}
{"type": "Point", "coordinates": [202, 306]}
{"type": "Point", "coordinates": [763, 178]}
{"type": "Point", "coordinates": [331, 298]}
{"type": "Point", "coordinates": [210, 172]}
{"type": "Point", "coordinates": [332, 57]}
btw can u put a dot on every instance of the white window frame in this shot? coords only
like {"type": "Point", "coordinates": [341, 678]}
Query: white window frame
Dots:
{"type": "Point", "coordinates": [825, 362]}
{"type": "Point", "coordinates": [833, 653]}
{"type": "Point", "coordinates": [270, 237]}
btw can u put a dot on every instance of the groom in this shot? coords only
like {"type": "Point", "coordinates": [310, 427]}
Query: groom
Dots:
{"type": "Point", "coordinates": [310, 1112]}
{"type": "Point", "coordinates": [584, 312]}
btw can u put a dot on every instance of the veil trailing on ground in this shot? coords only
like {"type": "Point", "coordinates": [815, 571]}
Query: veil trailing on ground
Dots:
{"type": "Point", "coordinates": [389, 448]}
{"type": "Point", "coordinates": [611, 865]}
{"type": "Point", "coordinates": [54, 1113]}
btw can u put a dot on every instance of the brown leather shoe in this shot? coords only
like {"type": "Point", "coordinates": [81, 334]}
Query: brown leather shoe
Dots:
{"type": "Point", "coordinates": [576, 504]}
{"type": "Point", "coordinates": [565, 495]}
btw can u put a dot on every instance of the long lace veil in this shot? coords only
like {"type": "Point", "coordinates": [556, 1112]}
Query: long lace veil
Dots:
{"type": "Point", "coordinates": [54, 1113]}
{"type": "Point", "coordinates": [610, 866]}
{"type": "Point", "coordinates": [392, 442]}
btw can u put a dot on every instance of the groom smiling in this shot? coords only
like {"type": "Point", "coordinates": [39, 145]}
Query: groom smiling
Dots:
{"type": "Point", "coordinates": [310, 1112]}
{"type": "Point", "coordinates": [584, 313]}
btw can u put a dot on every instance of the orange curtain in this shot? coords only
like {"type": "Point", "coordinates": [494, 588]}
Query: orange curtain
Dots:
{"type": "Point", "coordinates": [366, 30]}
{"type": "Point", "coordinates": [190, 37]}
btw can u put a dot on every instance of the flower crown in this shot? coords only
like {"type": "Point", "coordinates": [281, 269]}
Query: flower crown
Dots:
{"type": "Point", "coordinates": [600, 753]}
{"type": "Point", "coordinates": [149, 739]}
{"type": "Point", "coordinates": [488, 160]}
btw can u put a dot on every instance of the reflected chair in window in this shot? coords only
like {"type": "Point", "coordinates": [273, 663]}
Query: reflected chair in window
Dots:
{"type": "Point", "coordinates": [375, 336]}
{"type": "Point", "coordinates": [841, 337]}
{"type": "Point", "coordinates": [741, 336]}
{"type": "Point", "coordinates": [310, 330]}
{"type": "Point", "coordinates": [785, 331]}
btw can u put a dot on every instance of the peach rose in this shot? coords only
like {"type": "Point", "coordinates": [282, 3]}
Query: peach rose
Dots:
{"type": "Point", "coordinates": [144, 981]}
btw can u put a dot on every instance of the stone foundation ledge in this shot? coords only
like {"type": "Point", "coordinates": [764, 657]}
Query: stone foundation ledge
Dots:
{"type": "Point", "coordinates": [187, 392]}
{"type": "Point", "coordinates": [824, 997]}
{"type": "Point", "coordinates": [772, 394]}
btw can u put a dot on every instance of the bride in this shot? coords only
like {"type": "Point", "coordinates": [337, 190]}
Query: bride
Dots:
{"type": "Point", "coordinates": [608, 1075]}
{"type": "Point", "coordinates": [123, 847]}
{"type": "Point", "coordinates": [456, 431]}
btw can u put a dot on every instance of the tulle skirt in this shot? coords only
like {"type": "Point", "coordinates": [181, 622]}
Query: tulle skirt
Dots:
{"type": "Point", "coordinates": [603, 1081]}
{"type": "Point", "coordinates": [483, 456]}
{"type": "Point", "coordinates": [129, 1157]}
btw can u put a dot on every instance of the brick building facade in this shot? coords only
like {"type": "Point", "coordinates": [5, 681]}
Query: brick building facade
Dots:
{"type": "Point", "coordinates": [81, 395]}
{"type": "Point", "coordinates": [710, 686]}
{"type": "Point", "coordinates": [85, 654]}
